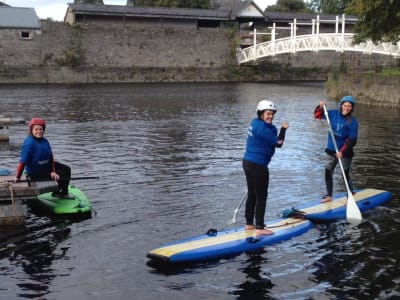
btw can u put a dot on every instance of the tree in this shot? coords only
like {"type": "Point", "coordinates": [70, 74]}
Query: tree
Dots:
{"type": "Point", "coordinates": [328, 6]}
{"type": "Point", "coordinates": [289, 5]}
{"type": "Point", "coordinates": [379, 20]}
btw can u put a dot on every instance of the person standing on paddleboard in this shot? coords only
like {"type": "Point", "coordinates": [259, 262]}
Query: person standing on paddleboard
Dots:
{"type": "Point", "coordinates": [345, 128]}
{"type": "Point", "coordinates": [38, 160]}
{"type": "Point", "coordinates": [262, 139]}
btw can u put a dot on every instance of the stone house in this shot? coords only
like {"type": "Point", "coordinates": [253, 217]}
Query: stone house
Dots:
{"type": "Point", "coordinates": [20, 31]}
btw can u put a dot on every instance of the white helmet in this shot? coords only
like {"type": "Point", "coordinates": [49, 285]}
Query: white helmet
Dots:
{"type": "Point", "coordinates": [266, 104]}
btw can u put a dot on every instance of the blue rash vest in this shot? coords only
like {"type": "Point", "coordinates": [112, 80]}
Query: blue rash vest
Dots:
{"type": "Point", "coordinates": [261, 142]}
{"type": "Point", "coordinates": [345, 130]}
{"type": "Point", "coordinates": [36, 155]}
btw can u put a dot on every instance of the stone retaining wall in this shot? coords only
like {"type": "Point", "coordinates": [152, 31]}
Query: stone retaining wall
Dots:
{"type": "Point", "coordinates": [370, 89]}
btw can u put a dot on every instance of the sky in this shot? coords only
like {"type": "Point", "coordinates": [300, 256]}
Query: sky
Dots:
{"type": "Point", "coordinates": [56, 9]}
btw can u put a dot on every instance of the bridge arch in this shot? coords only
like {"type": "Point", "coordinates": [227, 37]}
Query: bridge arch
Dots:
{"type": "Point", "coordinates": [314, 42]}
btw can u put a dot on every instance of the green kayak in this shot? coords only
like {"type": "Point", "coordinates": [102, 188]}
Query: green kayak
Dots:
{"type": "Point", "coordinates": [78, 205]}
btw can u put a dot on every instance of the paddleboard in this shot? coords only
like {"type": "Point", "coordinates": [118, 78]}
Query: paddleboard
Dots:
{"type": "Point", "coordinates": [61, 206]}
{"type": "Point", "coordinates": [227, 243]}
{"type": "Point", "coordinates": [335, 210]}
{"type": "Point", "coordinates": [4, 172]}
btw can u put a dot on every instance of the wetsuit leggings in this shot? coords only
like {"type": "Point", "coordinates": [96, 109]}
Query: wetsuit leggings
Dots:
{"type": "Point", "coordinates": [257, 178]}
{"type": "Point", "coordinates": [65, 174]}
{"type": "Point", "coordinates": [331, 163]}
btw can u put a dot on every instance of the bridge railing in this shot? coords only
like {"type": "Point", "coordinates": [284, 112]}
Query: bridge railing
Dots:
{"type": "Point", "coordinates": [338, 42]}
{"type": "Point", "coordinates": [316, 41]}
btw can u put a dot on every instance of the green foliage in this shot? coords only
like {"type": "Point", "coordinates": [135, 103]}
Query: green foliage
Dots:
{"type": "Point", "coordinates": [328, 6]}
{"type": "Point", "coordinates": [171, 3]}
{"type": "Point", "coordinates": [289, 5]}
{"type": "Point", "coordinates": [379, 20]}
{"type": "Point", "coordinates": [391, 72]}
{"type": "Point", "coordinates": [72, 57]}
{"type": "Point", "coordinates": [232, 34]}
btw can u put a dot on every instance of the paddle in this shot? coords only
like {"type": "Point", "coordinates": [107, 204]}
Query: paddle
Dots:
{"type": "Point", "coordinates": [353, 214]}
{"type": "Point", "coordinates": [237, 209]}
{"type": "Point", "coordinates": [48, 179]}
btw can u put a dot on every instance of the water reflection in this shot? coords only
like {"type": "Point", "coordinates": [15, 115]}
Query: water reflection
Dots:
{"type": "Point", "coordinates": [28, 253]}
{"type": "Point", "coordinates": [169, 161]}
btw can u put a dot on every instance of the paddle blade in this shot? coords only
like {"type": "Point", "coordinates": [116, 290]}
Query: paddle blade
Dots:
{"type": "Point", "coordinates": [353, 213]}
{"type": "Point", "coordinates": [234, 216]}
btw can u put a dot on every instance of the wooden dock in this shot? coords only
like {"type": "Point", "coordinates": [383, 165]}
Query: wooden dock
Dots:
{"type": "Point", "coordinates": [4, 126]}
{"type": "Point", "coordinates": [13, 197]}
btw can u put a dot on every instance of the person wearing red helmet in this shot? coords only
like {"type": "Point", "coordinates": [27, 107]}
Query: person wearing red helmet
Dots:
{"type": "Point", "coordinates": [345, 128]}
{"type": "Point", "coordinates": [38, 161]}
{"type": "Point", "coordinates": [262, 139]}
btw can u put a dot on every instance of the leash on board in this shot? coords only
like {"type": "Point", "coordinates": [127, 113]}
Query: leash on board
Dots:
{"type": "Point", "coordinates": [293, 213]}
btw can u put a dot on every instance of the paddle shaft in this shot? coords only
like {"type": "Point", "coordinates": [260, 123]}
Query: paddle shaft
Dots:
{"type": "Point", "coordinates": [237, 209]}
{"type": "Point", "coordinates": [47, 179]}
{"type": "Point", "coordinates": [336, 148]}
{"type": "Point", "coordinates": [356, 211]}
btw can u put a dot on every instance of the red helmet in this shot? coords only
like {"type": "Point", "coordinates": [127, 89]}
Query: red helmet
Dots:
{"type": "Point", "coordinates": [37, 121]}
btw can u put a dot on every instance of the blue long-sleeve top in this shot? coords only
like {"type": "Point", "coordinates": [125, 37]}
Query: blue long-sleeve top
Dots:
{"type": "Point", "coordinates": [345, 129]}
{"type": "Point", "coordinates": [36, 156]}
{"type": "Point", "coordinates": [261, 142]}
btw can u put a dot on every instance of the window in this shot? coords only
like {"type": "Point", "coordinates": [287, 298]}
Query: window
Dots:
{"type": "Point", "coordinates": [25, 35]}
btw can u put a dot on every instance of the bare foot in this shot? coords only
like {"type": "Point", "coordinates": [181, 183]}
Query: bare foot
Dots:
{"type": "Point", "coordinates": [326, 199]}
{"type": "Point", "coordinates": [264, 231]}
{"type": "Point", "coordinates": [250, 227]}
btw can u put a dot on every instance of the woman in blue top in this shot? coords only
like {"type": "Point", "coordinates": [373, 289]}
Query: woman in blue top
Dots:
{"type": "Point", "coordinates": [345, 128]}
{"type": "Point", "coordinates": [38, 161]}
{"type": "Point", "coordinates": [262, 139]}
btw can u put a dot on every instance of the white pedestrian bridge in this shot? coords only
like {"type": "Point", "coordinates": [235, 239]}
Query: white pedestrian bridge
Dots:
{"type": "Point", "coordinates": [315, 42]}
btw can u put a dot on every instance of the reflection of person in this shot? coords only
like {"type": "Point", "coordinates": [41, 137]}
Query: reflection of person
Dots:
{"type": "Point", "coordinates": [262, 140]}
{"type": "Point", "coordinates": [38, 161]}
{"type": "Point", "coordinates": [345, 128]}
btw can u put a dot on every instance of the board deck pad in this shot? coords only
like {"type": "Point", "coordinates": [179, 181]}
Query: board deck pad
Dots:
{"type": "Point", "coordinates": [228, 242]}
{"type": "Point", "coordinates": [336, 209]}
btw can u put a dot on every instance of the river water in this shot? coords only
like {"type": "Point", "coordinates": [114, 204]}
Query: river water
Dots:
{"type": "Point", "coordinates": [169, 161]}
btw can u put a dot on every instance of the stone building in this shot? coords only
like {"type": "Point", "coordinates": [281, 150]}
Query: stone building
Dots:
{"type": "Point", "coordinates": [20, 31]}
{"type": "Point", "coordinates": [160, 16]}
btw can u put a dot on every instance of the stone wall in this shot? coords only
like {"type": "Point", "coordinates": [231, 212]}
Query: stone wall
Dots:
{"type": "Point", "coordinates": [126, 52]}
{"type": "Point", "coordinates": [369, 89]}
{"type": "Point", "coordinates": [15, 50]}
{"type": "Point", "coordinates": [81, 53]}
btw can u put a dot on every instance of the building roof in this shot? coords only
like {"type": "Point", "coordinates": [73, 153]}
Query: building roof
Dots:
{"type": "Point", "coordinates": [149, 12]}
{"type": "Point", "coordinates": [273, 16]}
{"type": "Point", "coordinates": [19, 17]}
{"type": "Point", "coordinates": [243, 9]}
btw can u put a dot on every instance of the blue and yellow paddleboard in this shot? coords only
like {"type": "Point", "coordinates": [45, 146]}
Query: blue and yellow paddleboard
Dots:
{"type": "Point", "coordinates": [228, 243]}
{"type": "Point", "coordinates": [336, 209]}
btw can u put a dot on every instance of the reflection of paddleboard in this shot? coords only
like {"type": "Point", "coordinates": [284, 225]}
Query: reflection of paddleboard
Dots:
{"type": "Point", "coordinates": [227, 242]}
{"type": "Point", "coordinates": [336, 209]}
{"type": "Point", "coordinates": [62, 206]}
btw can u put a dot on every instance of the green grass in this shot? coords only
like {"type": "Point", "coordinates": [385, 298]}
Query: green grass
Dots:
{"type": "Point", "coordinates": [391, 72]}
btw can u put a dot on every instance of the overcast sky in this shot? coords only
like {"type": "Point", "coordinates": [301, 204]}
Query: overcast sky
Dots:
{"type": "Point", "coordinates": [56, 9]}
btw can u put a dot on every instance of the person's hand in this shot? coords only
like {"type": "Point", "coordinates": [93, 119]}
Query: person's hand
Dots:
{"type": "Point", "coordinates": [16, 179]}
{"type": "Point", "coordinates": [339, 155]}
{"type": "Point", "coordinates": [322, 104]}
{"type": "Point", "coordinates": [285, 124]}
{"type": "Point", "coordinates": [54, 176]}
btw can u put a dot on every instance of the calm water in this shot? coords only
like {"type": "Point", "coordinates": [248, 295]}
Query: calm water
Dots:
{"type": "Point", "coordinates": [169, 161]}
